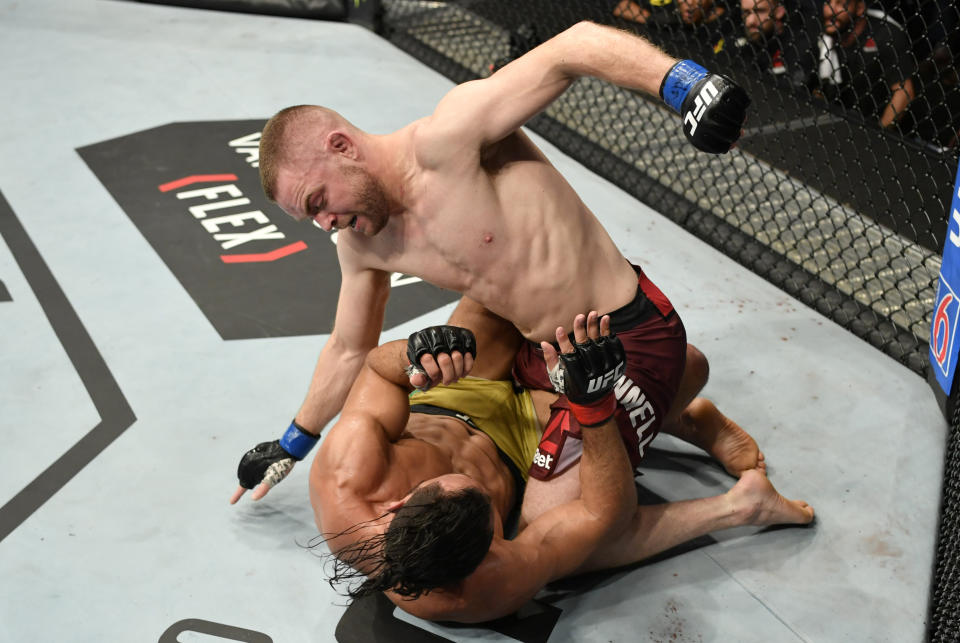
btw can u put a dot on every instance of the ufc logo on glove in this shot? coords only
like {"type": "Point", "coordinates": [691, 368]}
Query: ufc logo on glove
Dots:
{"type": "Point", "coordinates": [604, 381]}
{"type": "Point", "coordinates": [703, 100]}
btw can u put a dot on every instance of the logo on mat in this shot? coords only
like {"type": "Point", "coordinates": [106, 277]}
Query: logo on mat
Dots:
{"type": "Point", "coordinates": [193, 190]}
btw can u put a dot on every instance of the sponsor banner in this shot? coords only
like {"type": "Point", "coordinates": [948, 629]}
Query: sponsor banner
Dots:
{"type": "Point", "coordinates": [943, 330]}
{"type": "Point", "coordinates": [193, 190]}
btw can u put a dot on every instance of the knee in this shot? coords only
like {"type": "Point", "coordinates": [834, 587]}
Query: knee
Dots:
{"type": "Point", "coordinates": [697, 369]}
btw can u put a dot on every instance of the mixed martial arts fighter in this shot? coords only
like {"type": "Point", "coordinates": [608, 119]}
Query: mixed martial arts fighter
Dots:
{"type": "Point", "coordinates": [419, 494]}
{"type": "Point", "coordinates": [463, 199]}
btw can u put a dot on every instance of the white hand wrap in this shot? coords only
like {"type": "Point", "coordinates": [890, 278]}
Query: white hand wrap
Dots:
{"type": "Point", "coordinates": [556, 377]}
{"type": "Point", "coordinates": [277, 471]}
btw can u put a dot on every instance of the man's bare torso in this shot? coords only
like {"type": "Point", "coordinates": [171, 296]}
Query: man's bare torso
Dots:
{"type": "Point", "coordinates": [431, 446]}
{"type": "Point", "coordinates": [507, 231]}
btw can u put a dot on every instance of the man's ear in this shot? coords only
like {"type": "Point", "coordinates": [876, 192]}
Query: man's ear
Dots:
{"type": "Point", "coordinates": [780, 12]}
{"type": "Point", "coordinates": [398, 505]}
{"type": "Point", "coordinates": [341, 144]}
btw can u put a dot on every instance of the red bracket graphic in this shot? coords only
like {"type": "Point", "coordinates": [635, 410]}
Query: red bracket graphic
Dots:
{"type": "Point", "coordinates": [196, 178]}
{"type": "Point", "coordinates": [273, 255]}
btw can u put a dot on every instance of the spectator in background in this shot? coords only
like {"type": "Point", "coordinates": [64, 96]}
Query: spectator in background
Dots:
{"type": "Point", "coordinates": [688, 12]}
{"type": "Point", "coordinates": [648, 12]}
{"type": "Point", "coordinates": [700, 28]}
{"type": "Point", "coordinates": [697, 12]}
{"type": "Point", "coordinates": [635, 12]}
{"type": "Point", "coordinates": [777, 41]}
{"type": "Point", "coordinates": [865, 61]}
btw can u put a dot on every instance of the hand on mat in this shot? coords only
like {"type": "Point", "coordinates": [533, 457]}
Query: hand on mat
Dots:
{"type": "Point", "coordinates": [440, 355]}
{"type": "Point", "coordinates": [270, 462]}
{"type": "Point", "coordinates": [261, 468]}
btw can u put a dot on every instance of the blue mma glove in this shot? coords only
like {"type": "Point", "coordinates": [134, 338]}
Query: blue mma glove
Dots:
{"type": "Point", "coordinates": [713, 107]}
{"type": "Point", "coordinates": [270, 462]}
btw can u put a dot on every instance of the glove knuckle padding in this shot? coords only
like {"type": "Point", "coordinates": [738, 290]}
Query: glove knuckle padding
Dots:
{"type": "Point", "coordinates": [437, 340]}
{"type": "Point", "coordinates": [592, 369]}
{"type": "Point", "coordinates": [256, 461]}
{"type": "Point", "coordinates": [713, 112]}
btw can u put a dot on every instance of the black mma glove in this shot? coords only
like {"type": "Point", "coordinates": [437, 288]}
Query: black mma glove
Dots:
{"type": "Point", "coordinates": [270, 462]}
{"type": "Point", "coordinates": [587, 377]}
{"type": "Point", "coordinates": [713, 107]}
{"type": "Point", "coordinates": [437, 340]}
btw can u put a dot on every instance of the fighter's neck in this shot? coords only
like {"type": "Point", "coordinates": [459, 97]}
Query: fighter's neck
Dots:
{"type": "Point", "coordinates": [392, 160]}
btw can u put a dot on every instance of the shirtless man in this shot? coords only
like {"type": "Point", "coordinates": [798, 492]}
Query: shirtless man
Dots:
{"type": "Point", "coordinates": [415, 494]}
{"type": "Point", "coordinates": [463, 199]}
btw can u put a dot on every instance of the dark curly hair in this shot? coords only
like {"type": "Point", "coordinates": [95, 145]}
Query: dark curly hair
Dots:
{"type": "Point", "coordinates": [434, 541]}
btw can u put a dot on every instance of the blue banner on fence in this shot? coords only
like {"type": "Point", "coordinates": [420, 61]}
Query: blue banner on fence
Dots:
{"type": "Point", "coordinates": [943, 330]}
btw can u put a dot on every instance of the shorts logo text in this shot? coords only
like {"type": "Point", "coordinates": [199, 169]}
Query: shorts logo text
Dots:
{"type": "Point", "coordinates": [543, 460]}
{"type": "Point", "coordinates": [638, 408]}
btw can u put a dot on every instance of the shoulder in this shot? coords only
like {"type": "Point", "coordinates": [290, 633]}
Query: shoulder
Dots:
{"type": "Point", "coordinates": [361, 259]}
{"type": "Point", "coordinates": [443, 136]}
{"type": "Point", "coordinates": [354, 456]}
{"type": "Point", "coordinates": [345, 475]}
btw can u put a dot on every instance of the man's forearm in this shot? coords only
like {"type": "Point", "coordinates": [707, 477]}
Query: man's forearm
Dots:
{"type": "Point", "coordinates": [333, 376]}
{"type": "Point", "coordinates": [606, 478]}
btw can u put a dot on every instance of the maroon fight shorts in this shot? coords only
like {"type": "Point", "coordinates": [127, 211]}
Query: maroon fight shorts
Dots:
{"type": "Point", "coordinates": [655, 343]}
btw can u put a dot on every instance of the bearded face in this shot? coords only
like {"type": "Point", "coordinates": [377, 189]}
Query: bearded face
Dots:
{"type": "Point", "coordinates": [759, 20]}
{"type": "Point", "coordinates": [839, 15]}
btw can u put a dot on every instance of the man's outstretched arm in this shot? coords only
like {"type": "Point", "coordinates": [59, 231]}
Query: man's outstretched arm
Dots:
{"type": "Point", "coordinates": [359, 320]}
{"type": "Point", "coordinates": [487, 110]}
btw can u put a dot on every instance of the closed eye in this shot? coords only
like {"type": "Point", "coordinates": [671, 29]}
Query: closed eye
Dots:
{"type": "Point", "coordinates": [313, 205]}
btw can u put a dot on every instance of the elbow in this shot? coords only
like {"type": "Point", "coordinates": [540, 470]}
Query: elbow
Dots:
{"type": "Point", "coordinates": [616, 515]}
{"type": "Point", "coordinates": [579, 33]}
{"type": "Point", "coordinates": [582, 28]}
{"type": "Point", "coordinates": [344, 350]}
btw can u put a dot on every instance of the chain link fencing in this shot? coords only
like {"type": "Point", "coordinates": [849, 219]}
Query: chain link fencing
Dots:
{"type": "Point", "coordinates": [838, 191]}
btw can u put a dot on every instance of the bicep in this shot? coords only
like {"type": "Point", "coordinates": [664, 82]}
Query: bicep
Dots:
{"type": "Point", "coordinates": [481, 112]}
{"type": "Point", "coordinates": [553, 546]}
{"type": "Point", "coordinates": [560, 540]}
{"type": "Point", "coordinates": [378, 402]}
{"type": "Point", "coordinates": [353, 461]}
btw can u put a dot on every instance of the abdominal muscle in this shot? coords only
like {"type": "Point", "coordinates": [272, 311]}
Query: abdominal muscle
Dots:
{"type": "Point", "coordinates": [514, 236]}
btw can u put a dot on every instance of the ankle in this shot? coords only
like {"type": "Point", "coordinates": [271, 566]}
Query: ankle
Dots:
{"type": "Point", "coordinates": [741, 509]}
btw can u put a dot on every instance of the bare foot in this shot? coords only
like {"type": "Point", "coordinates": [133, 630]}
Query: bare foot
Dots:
{"type": "Point", "coordinates": [705, 426]}
{"type": "Point", "coordinates": [760, 504]}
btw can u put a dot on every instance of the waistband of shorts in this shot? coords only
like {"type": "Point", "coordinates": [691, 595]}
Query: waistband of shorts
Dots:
{"type": "Point", "coordinates": [628, 316]}
{"type": "Point", "coordinates": [520, 484]}
{"type": "Point", "coordinates": [634, 313]}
